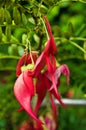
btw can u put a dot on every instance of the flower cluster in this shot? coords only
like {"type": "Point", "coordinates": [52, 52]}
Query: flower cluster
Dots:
{"type": "Point", "coordinates": [45, 73]}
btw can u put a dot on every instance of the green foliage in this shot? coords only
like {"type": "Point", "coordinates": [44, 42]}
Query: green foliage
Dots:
{"type": "Point", "coordinates": [19, 20]}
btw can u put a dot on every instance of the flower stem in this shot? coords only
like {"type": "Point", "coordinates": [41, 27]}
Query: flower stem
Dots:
{"type": "Point", "coordinates": [45, 28]}
{"type": "Point", "coordinates": [28, 45]}
{"type": "Point", "coordinates": [61, 1]}
{"type": "Point", "coordinates": [30, 52]}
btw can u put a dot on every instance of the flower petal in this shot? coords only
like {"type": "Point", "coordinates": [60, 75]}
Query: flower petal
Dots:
{"type": "Point", "coordinates": [50, 73]}
{"type": "Point", "coordinates": [53, 87]}
{"type": "Point", "coordinates": [23, 96]}
{"type": "Point", "coordinates": [63, 69]}
{"type": "Point", "coordinates": [51, 63]}
{"type": "Point", "coordinates": [41, 90]}
{"type": "Point", "coordinates": [51, 45]}
{"type": "Point", "coordinates": [53, 104]}
{"type": "Point", "coordinates": [40, 63]}
{"type": "Point", "coordinates": [19, 64]}
{"type": "Point", "coordinates": [58, 97]}
{"type": "Point", "coordinates": [28, 81]}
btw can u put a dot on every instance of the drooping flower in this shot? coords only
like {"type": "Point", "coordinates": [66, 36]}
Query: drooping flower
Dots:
{"type": "Point", "coordinates": [24, 91]}
{"type": "Point", "coordinates": [47, 76]}
{"type": "Point", "coordinates": [49, 51]}
{"type": "Point", "coordinates": [48, 59]}
{"type": "Point", "coordinates": [45, 83]}
{"type": "Point", "coordinates": [50, 80]}
{"type": "Point", "coordinates": [24, 85]}
{"type": "Point", "coordinates": [55, 80]}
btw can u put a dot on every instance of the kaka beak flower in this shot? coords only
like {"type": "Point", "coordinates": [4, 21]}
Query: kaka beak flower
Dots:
{"type": "Point", "coordinates": [24, 91]}
{"type": "Point", "coordinates": [24, 86]}
{"type": "Point", "coordinates": [49, 79]}
{"type": "Point", "coordinates": [50, 50]}
{"type": "Point", "coordinates": [63, 69]}
{"type": "Point", "coordinates": [47, 56]}
{"type": "Point", "coordinates": [53, 73]}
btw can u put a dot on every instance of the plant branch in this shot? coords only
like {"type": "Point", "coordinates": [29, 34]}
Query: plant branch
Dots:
{"type": "Point", "coordinates": [61, 1]}
{"type": "Point", "coordinates": [76, 45]}
{"type": "Point", "coordinates": [72, 42]}
{"type": "Point", "coordinates": [9, 57]}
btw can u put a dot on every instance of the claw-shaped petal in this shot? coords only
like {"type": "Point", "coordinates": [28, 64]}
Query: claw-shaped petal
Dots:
{"type": "Point", "coordinates": [51, 45]}
{"type": "Point", "coordinates": [63, 69]}
{"type": "Point", "coordinates": [19, 64]}
{"type": "Point", "coordinates": [28, 81]}
{"type": "Point", "coordinates": [40, 63]}
{"type": "Point", "coordinates": [41, 90]}
{"type": "Point", "coordinates": [53, 104]}
{"type": "Point", "coordinates": [23, 95]}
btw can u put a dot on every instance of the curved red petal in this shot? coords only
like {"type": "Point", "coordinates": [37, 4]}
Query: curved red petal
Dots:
{"type": "Point", "coordinates": [19, 64]}
{"type": "Point", "coordinates": [23, 96]}
{"type": "Point", "coordinates": [63, 69]}
{"type": "Point", "coordinates": [57, 96]}
{"type": "Point", "coordinates": [28, 81]}
{"type": "Point", "coordinates": [51, 63]}
{"type": "Point", "coordinates": [48, 25]}
{"type": "Point", "coordinates": [53, 105]}
{"type": "Point", "coordinates": [40, 63]}
{"type": "Point", "coordinates": [41, 90]}
{"type": "Point", "coordinates": [51, 45]}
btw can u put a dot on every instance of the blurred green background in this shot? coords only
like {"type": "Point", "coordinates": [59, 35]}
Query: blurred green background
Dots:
{"type": "Point", "coordinates": [21, 18]}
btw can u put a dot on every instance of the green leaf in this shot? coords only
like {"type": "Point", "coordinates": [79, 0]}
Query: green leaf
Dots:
{"type": "Point", "coordinates": [0, 34]}
{"type": "Point", "coordinates": [71, 29]}
{"type": "Point", "coordinates": [24, 19]}
{"type": "Point", "coordinates": [24, 36]}
{"type": "Point", "coordinates": [29, 6]}
{"type": "Point", "coordinates": [8, 32]}
{"type": "Point", "coordinates": [7, 16]}
{"type": "Point", "coordinates": [16, 15]}
{"type": "Point", "coordinates": [13, 49]}
{"type": "Point", "coordinates": [83, 1]}
{"type": "Point", "coordinates": [1, 15]}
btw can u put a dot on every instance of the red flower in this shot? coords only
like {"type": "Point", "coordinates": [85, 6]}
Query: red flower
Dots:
{"type": "Point", "coordinates": [50, 80]}
{"type": "Point", "coordinates": [55, 80]}
{"type": "Point", "coordinates": [49, 51]}
{"type": "Point", "coordinates": [47, 77]}
{"type": "Point", "coordinates": [47, 82]}
{"type": "Point", "coordinates": [24, 91]}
